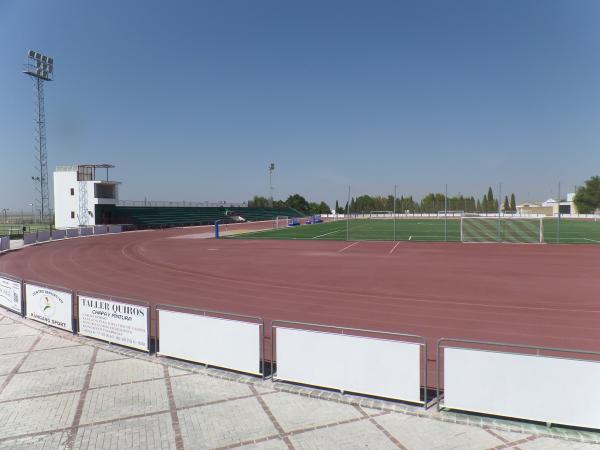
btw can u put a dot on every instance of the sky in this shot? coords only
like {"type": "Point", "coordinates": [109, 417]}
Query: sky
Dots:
{"type": "Point", "coordinates": [192, 100]}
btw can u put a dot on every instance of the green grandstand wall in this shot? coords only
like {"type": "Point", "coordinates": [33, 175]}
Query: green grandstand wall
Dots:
{"type": "Point", "coordinates": [166, 216]}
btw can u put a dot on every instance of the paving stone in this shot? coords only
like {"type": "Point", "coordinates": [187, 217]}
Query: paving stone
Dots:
{"type": "Point", "coordinates": [509, 435]}
{"type": "Point", "coordinates": [295, 412]}
{"type": "Point", "coordinates": [60, 357]}
{"type": "Point", "coordinates": [543, 443]}
{"type": "Point", "coordinates": [50, 341]}
{"type": "Point", "coordinates": [124, 400]}
{"type": "Point", "coordinates": [150, 432]}
{"type": "Point", "coordinates": [45, 382]}
{"type": "Point", "coordinates": [37, 415]}
{"type": "Point", "coordinates": [16, 344]}
{"type": "Point", "coordinates": [50, 441]}
{"type": "Point", "coordinates": [271, 444]}
{"type": "Point", "coordinates": [224, 424]}
{"type": "Point", "coordinates": [104, 355]}
{"type": "Point", "coordinates": [197, 389]}
{"type": "Point", "coordinates": [358, 435]}
{"type": "Point", "coordinates": [265, 387]}
{"type": "Point", "coordinates": [16, 329]}
{"type": "Point", "coordinates": [421, 432]}
{"type": "Point", "coordinates": [9, 362]}
{"type": "Point", "coordinates": [173, 371]}
{"type": "Point", "coordinates": [124, 371]}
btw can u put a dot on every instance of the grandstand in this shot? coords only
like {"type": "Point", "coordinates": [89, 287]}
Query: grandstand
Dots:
{"type": "Point", "coordinates": [164, 216]}
{"type": "Point", "coordinates": [83, 197]}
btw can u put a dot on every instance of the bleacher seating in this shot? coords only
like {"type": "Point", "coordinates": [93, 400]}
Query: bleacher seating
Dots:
{"type": "Point", "coordinates": [160, 217]}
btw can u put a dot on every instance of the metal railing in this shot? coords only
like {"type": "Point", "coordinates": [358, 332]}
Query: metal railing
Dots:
{"type": "Point", "coordinates": [536, 348]}
{"type": "Point", "coordinates": [422, 342]}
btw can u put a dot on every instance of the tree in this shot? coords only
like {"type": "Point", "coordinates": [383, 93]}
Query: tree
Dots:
{"type": "Point", "coordinates": [337, 207]}
{"type": "Point", "coordinates": [587, 197]}
{"type": "Point", "coordinates": [506, 206]}
{"type": "Point", "coordinates": [513, 203]}
{"type": "Point", "coordinates": [323, 208]}
{"type": "Point", "coordinates": [298, 202]}
{"type": "Point", "coordinates": [258, 202]}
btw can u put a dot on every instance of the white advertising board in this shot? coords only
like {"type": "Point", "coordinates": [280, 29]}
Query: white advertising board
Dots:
{"type": "Point", "coordinates": [364, 365]}
{"type": "Point", "coordinates": [219, 342]}
{"type": "Point", "coordinates": [546, 389]}
{"type": "Point", "coordinates": [49, 306]}
{"type": "Point", "coordinates": [10, 294]}
{"type": "Point", "coordinates": [117, 322]}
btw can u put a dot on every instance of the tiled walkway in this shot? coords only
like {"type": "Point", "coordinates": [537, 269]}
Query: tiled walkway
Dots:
{"type": "Point", "coordinates": [58, 391]}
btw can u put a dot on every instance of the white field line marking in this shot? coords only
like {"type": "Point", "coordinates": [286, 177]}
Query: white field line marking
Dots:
{"type": "Point", "coordinates": [325, 234]}
{"type": "Point", "coordinates": [591, 240]}
{"type": "Point", "coordinates": [348, 246]}
{"type": "Point", "coordinates": [394, 248]}
{"type": "Point", "coordinates": [410, 237]}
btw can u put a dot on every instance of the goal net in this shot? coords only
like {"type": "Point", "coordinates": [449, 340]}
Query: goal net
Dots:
{"type": "Point", "coordinates": [281, 222]}
{"type": "Point", "coordinates": [501, 229]}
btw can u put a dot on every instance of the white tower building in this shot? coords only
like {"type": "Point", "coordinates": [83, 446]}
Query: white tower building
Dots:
{"type": "Point", "coordinates": [77, 191]}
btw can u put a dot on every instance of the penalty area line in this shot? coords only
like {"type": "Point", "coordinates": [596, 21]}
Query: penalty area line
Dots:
{"type": "Point", "coordinates": [325, 234]}
{"type": "Point", "coordinates": [348, 246]}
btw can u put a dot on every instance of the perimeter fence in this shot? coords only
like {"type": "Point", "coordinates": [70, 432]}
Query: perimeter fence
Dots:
{"type": "Point", "coordinates": [542, 384]}
{"type": "Point", "coordinates": [450, 218]}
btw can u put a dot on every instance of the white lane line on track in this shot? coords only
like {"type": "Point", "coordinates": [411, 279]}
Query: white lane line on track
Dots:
{"type": "Point", "coordinates": [591, 240]}
{"type": "Point", "coordinates": [348, 246]}
{"type": "Point", "coordinates": [394, 248]}
{"type": "Point", "coordinates": [321, 235]}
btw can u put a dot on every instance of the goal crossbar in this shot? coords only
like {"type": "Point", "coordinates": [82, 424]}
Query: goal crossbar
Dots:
{"type": "Point", "coordinates": [502, 229]}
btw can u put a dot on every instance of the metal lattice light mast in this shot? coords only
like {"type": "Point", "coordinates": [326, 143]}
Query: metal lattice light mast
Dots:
{"type": "Point", "coordinates": [271, 169]}
{"type": "Point", "coordinates": [40, 68]}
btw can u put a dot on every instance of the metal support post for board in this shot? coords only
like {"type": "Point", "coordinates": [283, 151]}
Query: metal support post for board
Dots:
{"type": "Point", "coordinates": [446, 214]}
{"type": "Point", "coordinates": [348, 216]}
{"type": "Point", "coordinates": [217, 229]}
{"type": "Point", "coordinates": [395, 195]}
{"type": "Point", "coordinates": [499, 206]}
{"type": "Point", "coordinates": [558, 218]}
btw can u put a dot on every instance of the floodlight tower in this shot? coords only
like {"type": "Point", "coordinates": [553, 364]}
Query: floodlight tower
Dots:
{"type": "Point", "coordinates": [271, 169]}
{"type": "Point", "coordinates": [40, 68]}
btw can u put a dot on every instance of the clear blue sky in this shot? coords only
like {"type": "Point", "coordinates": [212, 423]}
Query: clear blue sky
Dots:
{"type": "Point", "coordinates": [192, 100]}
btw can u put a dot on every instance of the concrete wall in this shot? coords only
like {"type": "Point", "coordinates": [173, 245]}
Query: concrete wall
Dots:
{"type": "Point", "coordinates": [65, 203]}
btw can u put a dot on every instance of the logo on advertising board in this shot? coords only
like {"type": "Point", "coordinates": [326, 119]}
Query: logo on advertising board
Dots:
{"type": "Point", "coordinates": [47, 306]}
{"type": "Point", "coordinates": [50, 306]}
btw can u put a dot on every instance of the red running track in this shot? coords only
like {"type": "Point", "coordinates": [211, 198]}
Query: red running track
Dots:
{"type": "Point", "coordinates": [529, 294]}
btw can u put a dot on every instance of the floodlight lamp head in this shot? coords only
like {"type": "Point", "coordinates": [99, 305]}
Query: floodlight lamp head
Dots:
{"type": "Point", "coordinates": [39, 66]}
{"type": "Point", "coordinates": [272, 166]}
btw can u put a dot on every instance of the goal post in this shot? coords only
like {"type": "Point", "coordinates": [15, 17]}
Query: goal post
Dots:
{"type": "Point", "coordinates": [502, 229]}
{"type": "Point", "coordinates": [281, 222]}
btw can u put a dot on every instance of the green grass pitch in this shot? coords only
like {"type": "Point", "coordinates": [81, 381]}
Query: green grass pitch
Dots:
{"type": "Point", "coordinates": [571, 231]}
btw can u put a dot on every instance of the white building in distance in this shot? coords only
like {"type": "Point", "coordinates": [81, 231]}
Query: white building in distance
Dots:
{"type": "Point", "coordinates": [77, 191]}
